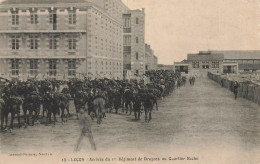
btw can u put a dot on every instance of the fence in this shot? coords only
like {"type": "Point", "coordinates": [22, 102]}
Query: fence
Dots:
{"type": "Point", "coordinates": [247, 90]}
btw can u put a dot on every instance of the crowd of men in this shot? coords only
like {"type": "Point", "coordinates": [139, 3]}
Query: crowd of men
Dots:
{"type": "Point", "coordinates": [53, 97]}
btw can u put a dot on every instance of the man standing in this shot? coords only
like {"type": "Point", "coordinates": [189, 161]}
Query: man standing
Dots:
{"type": "Point", "coordinates": [86, 130]}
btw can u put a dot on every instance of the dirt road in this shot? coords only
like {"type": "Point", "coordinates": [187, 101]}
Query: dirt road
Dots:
{"type": "Point", "coordinates": [196, 119]}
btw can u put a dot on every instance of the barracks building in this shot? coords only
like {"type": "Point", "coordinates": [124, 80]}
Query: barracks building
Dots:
{"type": "Point", "coordinates": [65, 39]}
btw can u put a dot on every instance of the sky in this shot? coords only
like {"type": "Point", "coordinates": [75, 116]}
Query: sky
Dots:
{"type": "Point", "coordinates": [175, 28]}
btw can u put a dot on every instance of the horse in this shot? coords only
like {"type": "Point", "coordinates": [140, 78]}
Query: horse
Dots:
{"type": "Point", "coordinates": [162, 89]}
{"type": "Point", "coordinates": [148, 106]}
{"type": "Point", "coordinates": [3, 114]}
{"type": "Point", "coordinates": [117, 100]}
{"type": "Point", "coordinates": [128, 98]}
{"type": "Point", "coordinates": [13, 106]}
{"type": "Point", "coordinates": [80, 101]}
{"type": "Point", "coordinates": [99, 107]}
{"type": "Point", "coordinates": [32, 103]}
{"type": "Point", "coordinates": [51, 105]}
{"type": "Point", "coordinates": [137, 106]}
{"type": "Point", "coordinates": [63, 103]}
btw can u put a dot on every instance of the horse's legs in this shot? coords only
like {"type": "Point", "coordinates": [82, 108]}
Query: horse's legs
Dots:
{"type": "Point", "coordinates": [145, 110]}
{"type": "Point", "coordinates": [68, 113]}
{"type": "Point", "coordinates": [77, 110]}
{"type": "Point", "coordinates": [34, 115]}
{"type": "Point", "coordinates": [54, 115]}
{"type": "Point", "coordinates": [30, 115]}
{"type": "Point", "coordinates": [43, 111]}
{"type": "Point", "coordinates": [19, 123]}
{"type": "Point", "coordinates": [25, 117]}
{"type": "Point", "coordinates": [131, 108]}
{"type": "Point", "coordinates": [38, 113]}
{"type": "Point", "coordinates": [62, 114]}
{"type": "Point", "coordinates": [49, 116]}
{"type": "Point", "coordinates": [2, 122]}
{"type": "Point", "coordinates": [6, 119]}
{"type": "Point", "coordinates": [156, 105]}
{"type": "Point", "coordinates": [150, 115]}
{"type": "Point", "coordinates": [139, 112]}
{"type": "Point", "coordinates": [12, 120]}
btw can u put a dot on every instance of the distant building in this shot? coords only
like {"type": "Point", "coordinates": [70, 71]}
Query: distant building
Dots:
{"type": "Point", "coordinates": [246, 60]}
{"type": "Point", "coordinates": [165, 67]}
{"type": "Point", "coordinates": [64, 38]}
{"type": "Point", "coordinates": [151, 60]}
{"type": "Point", "coordinates": [134, 43]}
{"type": "Point", "coordinates": [220, 62]}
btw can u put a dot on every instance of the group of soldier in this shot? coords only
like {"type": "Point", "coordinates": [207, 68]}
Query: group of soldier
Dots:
{"type": "Point", "coordinates": [53, 97]}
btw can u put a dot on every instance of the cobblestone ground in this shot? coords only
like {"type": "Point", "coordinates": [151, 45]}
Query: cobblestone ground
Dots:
{"type": "Point", "coordinates": [204, 121]}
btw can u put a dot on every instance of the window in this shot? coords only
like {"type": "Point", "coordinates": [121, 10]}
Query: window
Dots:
{"type": "Point", "coordinates": [34, 18]}
{"type": "Point", "coordinates": [137, 56]}
{"type": "Point", "coordinates": [72, 43]}
{"type": "Point", "coordinates": [33, 67]}
{"type": "Point", "coordinates": [53, 42]}
{"type": "Point", "coordinates": [15, 67]}
{"type": "Point", "coordinates": [72, 17]}
{"type": "Point", "coordinates": [195, 64]}
{"type": "Point", "coordinates": [137, 20]}
{"type": "Point", "coordinates": [215, 64]}
{"type": "Point", "coordinates": [72, 67]}
{"type": "Point", "coordinates": [52, 67]}
{"type": "Point", "coordinates": [136, 39]}
{"type": "Point", "coordinates": [15, 42]}
{"type": "Point", "coordinates": [127, 40]}
{"type": "Point", "coordinates": [53, 19]}
{"type": "Point", "coordinates": [205, 66]}
{"type": "Point", "coordinates": [34, 42]}
{"type": "Point", "coordinates": [15, 18]}
{"type": "Point", "coordinates": [127, 23]}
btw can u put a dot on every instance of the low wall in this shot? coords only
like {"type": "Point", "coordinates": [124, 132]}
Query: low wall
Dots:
{"type": "Point", "coordinates": [247, 90]}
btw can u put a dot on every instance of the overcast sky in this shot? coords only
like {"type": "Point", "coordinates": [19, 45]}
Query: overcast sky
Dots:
{"type": "Point", "coordinates": [177, 27]}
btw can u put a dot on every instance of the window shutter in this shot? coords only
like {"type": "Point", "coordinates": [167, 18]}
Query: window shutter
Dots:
{"type": "Point", "coordinates": [38, 40]}
{"type": "Point", "coordinates": [10, 42]}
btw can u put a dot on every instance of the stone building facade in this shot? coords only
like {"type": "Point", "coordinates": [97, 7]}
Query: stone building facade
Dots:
{"type": "Point", "coordinates": [134, 43]}
{"type": "Point", "coordinates": [151, 61]}
{"type": "Point", "coordinates": [61, 39]}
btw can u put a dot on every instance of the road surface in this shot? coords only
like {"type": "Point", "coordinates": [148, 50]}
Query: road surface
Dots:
{"type": "Point", "coordinates": [201, 121]}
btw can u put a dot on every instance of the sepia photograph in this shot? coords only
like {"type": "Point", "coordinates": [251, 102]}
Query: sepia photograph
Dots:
{"type": "Point", "coordinates": [130, 81]}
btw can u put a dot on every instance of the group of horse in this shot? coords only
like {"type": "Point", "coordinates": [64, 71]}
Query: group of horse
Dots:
{"type": "Point", "coordinates": [97, 97]}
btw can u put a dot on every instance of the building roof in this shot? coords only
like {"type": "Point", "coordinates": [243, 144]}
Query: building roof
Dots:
{"type": "Point", "coordinates": [43, 1]}
{"type": "Point", "coordinates": [205, 57]}
{"type": "Point", "coordinates": [236, 54]}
